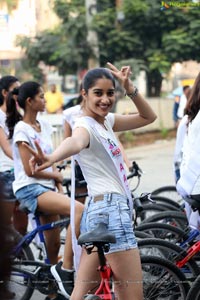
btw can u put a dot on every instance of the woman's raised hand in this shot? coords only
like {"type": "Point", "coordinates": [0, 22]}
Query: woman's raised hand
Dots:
{"type": "Point", "coordinates": [123, 76]}
{"type": "Point", "coordinates": [39, 161]}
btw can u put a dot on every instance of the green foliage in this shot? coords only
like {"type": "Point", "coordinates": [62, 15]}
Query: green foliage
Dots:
{"type": "Point", "coordinates": [66, 46]}
{"type": "Point", "coordinates": [147, 38]}
{"type": "Point", "coordinates": [164, 132]}
{"type": "Point", "coordinates": [128, 136]}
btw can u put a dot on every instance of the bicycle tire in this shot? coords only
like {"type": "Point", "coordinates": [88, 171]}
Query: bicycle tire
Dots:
{"type": "Point", "coordinates": [166, 201]}
{"type": "Point", "coordinates": [23, 289]}
{"type": "Point", "coordinates": [150, 209]}
{"type": "Point", "coordinates": [194, 292]}
{"type": "Point", "coordinates": [168, 191]}
{"type": "Point", "coordinates": [169, 217]}
{"type": "Point", "coordinates": [162, 280]}
{"type": "Point", "coordinates": [163, 231]}
{"type": "Point", "coordinates": [170, 251]}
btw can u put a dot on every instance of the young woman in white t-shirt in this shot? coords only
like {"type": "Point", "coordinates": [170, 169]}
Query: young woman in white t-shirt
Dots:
{"type": "Point", "coordinates": [37, 192]}
{"type": "Point", "coordinates": [189, 182]}
{"type": "Point", "coordinates": [12, 215]}
{"type": "Point", "coordinates": [70, 116]}
{"type": "Point", "coordinates": [98, 153]}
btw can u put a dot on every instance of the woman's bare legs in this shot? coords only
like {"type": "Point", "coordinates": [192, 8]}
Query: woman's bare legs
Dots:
{"type": "Point", "coordinates": [52, 238]}
{"type": "Point", "coordinates": [127, 272]}
{"type": "Point", "coordinates": [55, 203]}
{"type": "Point", "coordinates": [87, 277]}
{"type": "Point", "coordinates": [20, 219]}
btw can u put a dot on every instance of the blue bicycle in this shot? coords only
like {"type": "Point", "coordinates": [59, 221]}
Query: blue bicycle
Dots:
{"type": "Point", "coordinates": [27, 273]}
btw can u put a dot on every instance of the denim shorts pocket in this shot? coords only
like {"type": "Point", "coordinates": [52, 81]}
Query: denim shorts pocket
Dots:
{"type": "Point", "coordinates": [94, 219]}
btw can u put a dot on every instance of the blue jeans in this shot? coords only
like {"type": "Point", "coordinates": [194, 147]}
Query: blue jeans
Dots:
{"type": "Point", "coordinates": [113, 210]}
{"type": "Point", "coordinates": [27, 196]}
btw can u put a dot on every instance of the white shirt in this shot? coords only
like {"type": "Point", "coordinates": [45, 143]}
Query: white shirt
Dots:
{"type": "Point", "coordinates": [180, 136]}
{"type": "Point", "coordinates": [98, 169]}
{"type": "Point", "coordinates": [181, 107]}
{"type": "Point", "coordinates": [23, 132]}
{"type": "Point", "coordinates": [71, 114]}
{"type": "Point", "coordinates": [6, 164]}
{"type": "Point", "coordinates": [190, 166]}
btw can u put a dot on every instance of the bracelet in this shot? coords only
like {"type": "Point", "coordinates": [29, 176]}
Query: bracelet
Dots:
{"type": "Point", "coordinates": [133, 94]}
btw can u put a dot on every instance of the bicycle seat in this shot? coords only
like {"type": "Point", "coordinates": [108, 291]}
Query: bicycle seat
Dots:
{"type": "Point", "coordinates": [194, 201]}
{"type": "Point", "coordinates": [99, 235]}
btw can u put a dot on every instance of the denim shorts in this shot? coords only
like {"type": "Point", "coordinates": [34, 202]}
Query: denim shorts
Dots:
{"type": "Point", "coordinates": [6, 179]}
{"type": "Point", "coordinates": [27, 196]}
{"type": "Point", "coordinates": [114, 211]}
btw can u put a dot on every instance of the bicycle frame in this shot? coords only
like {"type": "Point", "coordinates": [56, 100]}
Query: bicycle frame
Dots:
{"type": "Point", "coordinates": [28, 238]}
{"type": "Point", "coordinates": [104, 290]}
{"type": "Point", "coordinates": [194, 249]}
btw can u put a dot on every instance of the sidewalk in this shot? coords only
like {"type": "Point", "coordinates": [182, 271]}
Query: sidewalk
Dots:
{"type": "Point", "coordinates": [156, 161]}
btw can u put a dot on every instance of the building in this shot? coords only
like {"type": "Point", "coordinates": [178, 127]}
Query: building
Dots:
{"type": "Point", "coordinates": [26, 18]}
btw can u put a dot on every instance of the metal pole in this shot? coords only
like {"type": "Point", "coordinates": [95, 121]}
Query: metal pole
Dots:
{"type": "Point", "coordinates": [91, 10]}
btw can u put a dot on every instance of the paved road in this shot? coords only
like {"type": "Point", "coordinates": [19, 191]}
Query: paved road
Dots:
{"type": "Point", "coordinates": [156, 162]}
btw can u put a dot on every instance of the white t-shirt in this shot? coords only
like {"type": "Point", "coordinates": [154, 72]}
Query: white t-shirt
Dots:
{"type": "Point", "coordinates": [6, 164]}
{"type": "Point", "coordinates": [180, 136]}
{"type": "Point", "coordinates": [71, 114]}
{"type": "Point", "coordinates": [181, 107]}
{"type": "Point", "coordinates": [24, 132]}
{"type": "Point", "coordinates": [98, 169]}
{"type": "Point", "coordinates": [190, 165]}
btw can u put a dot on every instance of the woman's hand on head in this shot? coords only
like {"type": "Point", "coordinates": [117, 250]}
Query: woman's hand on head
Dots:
{"type": "Point", "coordinates": [39, 161]}
{"type": "Point", "coordinates": [123, 76]}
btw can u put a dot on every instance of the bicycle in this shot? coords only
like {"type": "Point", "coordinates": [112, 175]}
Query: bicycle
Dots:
{"type": "Point", "coordinates": [161, 278]}
{"type": "Point", "coordinates": [194, 292]}
{"type": "Point", "coordinates": [27, 274]}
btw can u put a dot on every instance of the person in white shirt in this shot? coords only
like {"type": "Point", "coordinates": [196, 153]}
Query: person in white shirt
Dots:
{"type": "Point", "coordinates": [70, 116]}
{"type": "Point", "coordinates": [37, 192]}
{"type": "Point", "coordinates": [183, 101]}
{"type": "Point", "coordinates": [189, 182]}
{"type": "Point", "coordinates": [95, 145]}
{"type": "Point", "coordinates": [12, 215]}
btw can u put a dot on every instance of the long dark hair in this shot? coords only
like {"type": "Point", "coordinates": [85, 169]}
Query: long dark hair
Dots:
{"type": "Point", "coordinates": [93, 75]}
{"type": "Point", "coordinates": [5, 84]}
{"type": "Point", "coordinates": [27, 90]}
{"type": "Point", "coordinates": [193, 104]}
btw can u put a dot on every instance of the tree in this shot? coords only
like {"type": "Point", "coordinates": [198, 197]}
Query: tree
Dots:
{"type": "Point", "coordinates": [147, 37]}
{"type": "Point", "coordinates": [65, 47]}
{"type": "Point", "coordinates": [158, 38]}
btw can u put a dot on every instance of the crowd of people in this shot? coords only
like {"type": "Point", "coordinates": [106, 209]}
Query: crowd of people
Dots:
{"type": "Point", "coordinates": [29, 176]}
{"type": "Point", "coordinates": [26, 147]}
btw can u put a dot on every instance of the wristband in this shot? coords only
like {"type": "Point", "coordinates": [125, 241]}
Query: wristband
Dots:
{"type": "Point", "coordinates": [133, 94]}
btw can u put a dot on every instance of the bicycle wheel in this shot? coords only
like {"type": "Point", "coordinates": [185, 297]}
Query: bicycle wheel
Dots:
{"type": "Point", "coordinates": [168, 202]}
{"type": "Point", "coordinates": [162, 280]}
{"type": "Point", "coordinates": [170, 251]}
{"type": "Point", "coordinates": [175, 218]}
{"type": "Point", "coordinates": [19, 283]}
{"type": "Point", "coordinates": [168, 191]}
{"type": "Point", "coordinates": [163, 231]}
{"type": "Point", "coordinates": [149, 210]}
{"type": "Point", "coordinates": [194, 292]}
